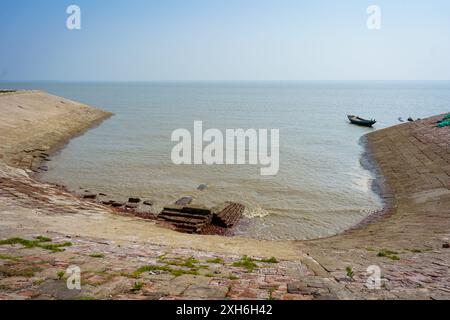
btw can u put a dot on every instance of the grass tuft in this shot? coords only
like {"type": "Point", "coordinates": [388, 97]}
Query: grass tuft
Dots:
{"type": "Point", "coordinates": [247, 263]}
{"type": "Point", "coordinates": [384, 253]}
{"type": "Point", "coordinates": [39, 242]}
{"type": "Point", "coordinates": [44, 239]}
{"type": "Point", "coordinates": [270, 260]}
{"type": "Point", "coordinates": [180, 272]}
{"type": "Point", "coordinates": [60, 274]}
{"type": "Point", "coordinates": [190, 262]}
{"type": "Point", "coordinates": [11, 258]}
{"type": "Point", "coordinates": [137, 286]}
{"type": "Point", "coordinates": [55, 247]}
{"type": "Point", "coordinates": [215, 261]}
{"type": "Point", "coordinates": [175, 272]}
{"type": "Point", "coordinates": [13, 271]}
{"type": "Point", "coordinates": [350, 272]}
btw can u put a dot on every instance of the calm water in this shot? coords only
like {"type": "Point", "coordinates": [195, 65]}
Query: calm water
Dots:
{"type": "Point", "coordinates": [321, 188]}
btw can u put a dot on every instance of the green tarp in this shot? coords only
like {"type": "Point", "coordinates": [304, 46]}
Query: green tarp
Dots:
{"type": "Point", "coordinates": [445, 122]}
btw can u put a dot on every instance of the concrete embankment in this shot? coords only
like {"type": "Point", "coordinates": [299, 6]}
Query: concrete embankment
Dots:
{"type": "Point", "coordinates": [409, 241]}
{"type": "Point", "coordinates": [34, 124]}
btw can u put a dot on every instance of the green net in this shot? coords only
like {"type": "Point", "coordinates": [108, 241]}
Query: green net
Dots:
{"type": "Point", "coordinates": [444, 123]}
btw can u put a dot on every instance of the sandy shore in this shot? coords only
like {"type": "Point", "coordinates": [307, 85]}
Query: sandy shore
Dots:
{"type": "Point", "coordinates": [413, 158]}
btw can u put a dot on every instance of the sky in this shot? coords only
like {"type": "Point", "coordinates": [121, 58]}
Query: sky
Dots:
{"type": "Point", "coordinates": [159, 40]}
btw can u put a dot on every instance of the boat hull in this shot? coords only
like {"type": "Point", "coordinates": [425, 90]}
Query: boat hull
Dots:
{"type": "Point", "coordinates": [361, 122]}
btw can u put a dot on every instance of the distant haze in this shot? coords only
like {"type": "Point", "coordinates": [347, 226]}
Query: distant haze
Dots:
{"type": "Point", "coordinates": [142, 40]}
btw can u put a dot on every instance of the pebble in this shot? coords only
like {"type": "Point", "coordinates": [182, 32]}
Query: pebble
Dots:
{"type": "Point", "coordinates": [184, 201]}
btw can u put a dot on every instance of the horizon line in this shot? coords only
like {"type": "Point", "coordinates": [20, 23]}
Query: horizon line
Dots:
{"type": "Point", "coordinates": [206, 80]}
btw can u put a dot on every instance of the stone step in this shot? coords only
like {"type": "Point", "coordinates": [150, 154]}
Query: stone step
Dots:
{"type": "Point", "coordinates": [229, 216]}
{"type": "Point", "coordinates": [175, 220]}
{"type": "Point", "coordinates": [186, 229]}
{"type": "Point", "coordinates": [181, 214]}
{"type": "Point", "coordinates": [187, 209]}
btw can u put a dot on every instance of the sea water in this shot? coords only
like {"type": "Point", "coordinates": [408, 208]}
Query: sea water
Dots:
{"type": "Point", "coordinates": [321, 188]}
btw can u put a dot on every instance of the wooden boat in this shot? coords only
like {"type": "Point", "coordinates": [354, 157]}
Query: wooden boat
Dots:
{"type": "Point", "coordinates": [361, 122]}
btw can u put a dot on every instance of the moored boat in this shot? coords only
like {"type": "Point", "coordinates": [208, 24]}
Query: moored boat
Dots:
{"type": "Point", "coordinates": [361, 122]}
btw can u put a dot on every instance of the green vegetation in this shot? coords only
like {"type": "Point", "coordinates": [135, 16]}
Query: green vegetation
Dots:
{"type": "Point", "coordinates": [350, 272]}
{"type": "Point", "coordinates": [250, 263]}
{"type": "Point", "coordinates": [23, 242]}
{"type": "Point", "coordinates": [190, 262]}
{"type": "Point", "coordinates": [271, 260]}
{"type": "Point", "coordinates": [39, 242]}
{"type": "Point", "coordinates": [180, 272]}
{"type": "Point", "coordinates": [60, 274]}
{"type": "Point", "coordinates": [6, 257]}
{"type": "Point", "coordinates": [162, 257]}
{"type": "Point", "coordinates": [145, 269]}
{"type": "Point", "coordinates": [388, 254]}
{"type": "Point", "coordinates": [175, 272]}
{"type": "Point", "coordinates": [215, 261]}
{"type": "Point", "coordinates": [247, 263]}
{"type": "Point", "coordinates": [137, 286]}
{"type": "Point", "coordinates": [181, 266]}
{"type": "Point", "coordinates": [13, 271]}
{"type": "Point", "coordinates": [55, 247]}
{"type": "Point", "coordinates": [233, 277]}
{"type": "Point", "coordinates": [44, 239]}
{"type": "Point", "coordinates": [97, 255]}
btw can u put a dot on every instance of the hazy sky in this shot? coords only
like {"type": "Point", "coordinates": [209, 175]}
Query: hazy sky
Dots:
{"type": "Point", "coordinates": [137, 40]}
